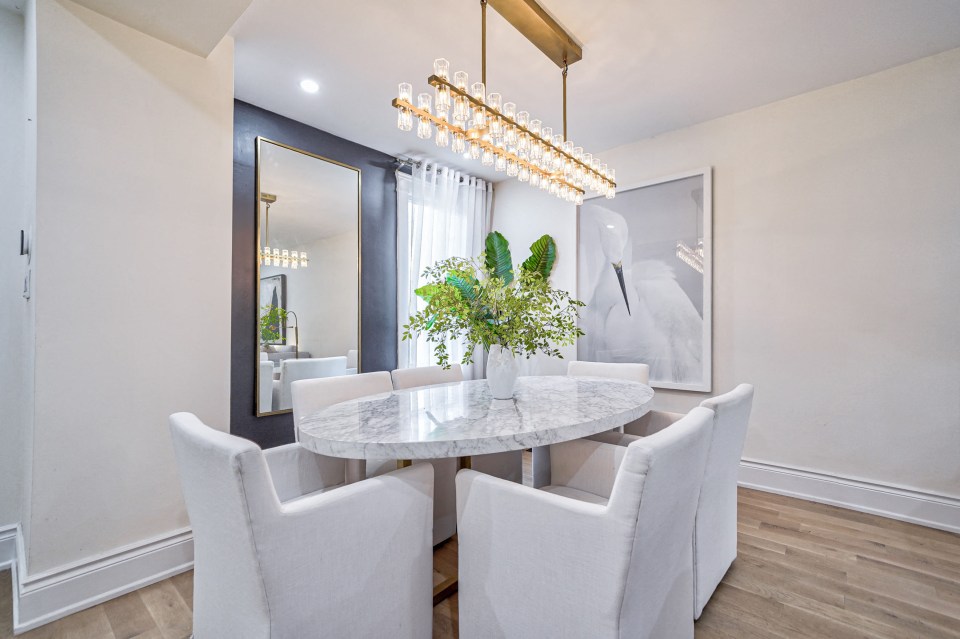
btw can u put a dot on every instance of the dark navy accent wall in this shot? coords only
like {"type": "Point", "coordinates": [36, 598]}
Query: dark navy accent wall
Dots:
{"type": "Point", "coordinates": [378, 250]}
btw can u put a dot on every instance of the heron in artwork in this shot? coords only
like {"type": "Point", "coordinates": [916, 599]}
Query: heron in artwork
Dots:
{"type": "Point", "coordinates": [613, 240]}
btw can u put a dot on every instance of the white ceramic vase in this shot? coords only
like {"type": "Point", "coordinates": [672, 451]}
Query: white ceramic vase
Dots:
{"type": "Point", "coordinates": [502, 370]}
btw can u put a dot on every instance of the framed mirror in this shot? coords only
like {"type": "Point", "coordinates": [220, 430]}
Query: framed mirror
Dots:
{"type": "Point", "coordinates": [308, 271]}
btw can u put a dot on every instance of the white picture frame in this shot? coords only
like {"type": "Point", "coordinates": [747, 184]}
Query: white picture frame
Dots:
{"type": "Point", "coordinates": [670, 326]}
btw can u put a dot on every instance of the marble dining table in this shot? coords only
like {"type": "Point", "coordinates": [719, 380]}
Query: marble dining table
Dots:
{"type": "Point", "coordinates": [462, 419]}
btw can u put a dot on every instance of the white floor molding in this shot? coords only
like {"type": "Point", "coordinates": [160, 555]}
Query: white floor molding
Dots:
{"type": "Point", "coordinates": [926, 509]}
{"type": "Point", "coordinates": [46, 597]}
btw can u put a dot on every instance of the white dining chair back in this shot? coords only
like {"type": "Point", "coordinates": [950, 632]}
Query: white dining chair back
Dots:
{"type": "Point", "coordinates": [633, 372]}
{"type": "Point", "coordinates": [509, 465]}
{"type": "Point", "coordinates": [715, 540]}
{"type": "Point", "coordinates": [426, 376]}
{"type": "Point", "coordinates": [264, 567]}
{"type": "Point", "coordinates": [566, 562]}
{"type": "Point", "coordinates": [540, 456]}
{"type": "Point", "coordinates": [312, 395]}
{"type": "Point", "coordinates": [292, 370]}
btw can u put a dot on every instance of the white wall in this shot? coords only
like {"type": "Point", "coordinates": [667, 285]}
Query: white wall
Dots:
{"type": "Point", "coordinates": [14, 309]}
{"type": "Point", "coordinates": [132, 277]}
{"type": "Point", "coordinates": [523, 214]}
{"type": "Point", "coordinates": [837, 251]}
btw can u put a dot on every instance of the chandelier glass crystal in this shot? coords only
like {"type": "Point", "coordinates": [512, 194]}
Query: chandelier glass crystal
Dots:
{"type": "Point", "coordinates": [501, 136]}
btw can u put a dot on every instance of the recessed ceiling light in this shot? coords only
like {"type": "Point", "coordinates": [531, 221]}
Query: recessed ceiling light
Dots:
{"type": "Point", "coordinates": [309, 86]}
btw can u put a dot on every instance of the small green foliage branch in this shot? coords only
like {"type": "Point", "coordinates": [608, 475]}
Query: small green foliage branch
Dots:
{"type": "Point", "coordinates": [486, 301]}
{"type": "Point", "coordinates": [272, 318]}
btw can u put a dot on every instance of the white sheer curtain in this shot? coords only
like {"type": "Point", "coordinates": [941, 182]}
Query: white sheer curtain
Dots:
{"type": "Point", "coordinates": [442, 213]}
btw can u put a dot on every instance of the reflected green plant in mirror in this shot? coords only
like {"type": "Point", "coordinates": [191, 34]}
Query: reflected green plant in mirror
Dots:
{"type": "Point", "coordinates": [272, 320]}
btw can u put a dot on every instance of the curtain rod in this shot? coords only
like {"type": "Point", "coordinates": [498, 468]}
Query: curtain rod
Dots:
{"type": "Point", "coordinates": [407, 162]}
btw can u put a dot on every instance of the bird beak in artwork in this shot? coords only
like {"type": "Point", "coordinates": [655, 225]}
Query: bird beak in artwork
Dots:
{"type": "Point", "coordinates": [618, 268]}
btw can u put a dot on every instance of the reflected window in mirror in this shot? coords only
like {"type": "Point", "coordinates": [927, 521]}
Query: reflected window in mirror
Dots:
{"type": "Point", "coordinates": [308, 258]}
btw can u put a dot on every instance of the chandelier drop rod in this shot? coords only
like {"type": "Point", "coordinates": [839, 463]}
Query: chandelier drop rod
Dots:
{"type": "Point", "coordinates": [565, 67]}
{"type": "Point", "coordinates": [483, 42]}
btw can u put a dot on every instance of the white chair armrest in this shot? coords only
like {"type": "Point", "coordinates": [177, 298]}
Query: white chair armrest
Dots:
{"type": "Point", "coordinates": [368, 493]}
{"type": "Point", "coordinates": [586, 465]}
{"type": "Point", "coordinates": [296, 471]}
{"type": "Point", "coordinates": [652, 422]}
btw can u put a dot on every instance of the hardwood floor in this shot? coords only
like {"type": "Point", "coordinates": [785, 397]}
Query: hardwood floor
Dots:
{"type": "Point", "coordinates": [803, 570]}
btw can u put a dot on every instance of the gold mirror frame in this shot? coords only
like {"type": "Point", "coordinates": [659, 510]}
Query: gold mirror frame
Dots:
{"type": "Point", "coordinates": [256, 363]}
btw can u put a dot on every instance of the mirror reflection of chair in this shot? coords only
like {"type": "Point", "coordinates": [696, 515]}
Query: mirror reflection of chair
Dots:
{"type": "Point", "coordinates": [265, 385]}
{"type": "Point", "coordinates": [507, 465]}
{"type": "Point", "coordinates": [292, 370]}
{"type": "Point", "coordinates": [352, 361]}
{"type": "Point", "coordinates": [603, 552]}
{"type": "Point", "coordinates": [248, 508]}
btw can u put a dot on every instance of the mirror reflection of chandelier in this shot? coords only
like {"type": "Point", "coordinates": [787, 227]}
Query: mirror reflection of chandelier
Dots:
{"type": "Point", "coordinates": [691, 257]}
{"type": "Point", "coordinates": [284, 258]}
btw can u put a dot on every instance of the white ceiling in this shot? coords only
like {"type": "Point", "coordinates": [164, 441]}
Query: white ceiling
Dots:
{"type": "Point", "coordinates": [649, 65]}
{"type": "Point", "coordinates": [196, 26]}
{"type": "Point", "coordinates": [315, 199]}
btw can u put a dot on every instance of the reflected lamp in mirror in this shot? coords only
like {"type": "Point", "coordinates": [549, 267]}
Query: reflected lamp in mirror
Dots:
{"type": "Point", "coordinates": [309, 308]}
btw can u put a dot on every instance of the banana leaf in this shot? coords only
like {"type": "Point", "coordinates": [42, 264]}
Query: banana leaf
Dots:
{"type": "Point", "coordinates": [543, 254]}
{"type": "Point", "coordinates": [497, 257]}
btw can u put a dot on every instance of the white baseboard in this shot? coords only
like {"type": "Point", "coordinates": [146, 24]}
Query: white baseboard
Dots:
{"type": "Point", "coordinates": [926, 509]}
{"type": "Point", "coordinates": [48, 596]}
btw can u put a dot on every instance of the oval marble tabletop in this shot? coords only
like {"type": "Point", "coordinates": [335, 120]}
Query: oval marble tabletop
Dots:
{"type": "Point", "coordinates": [462, 419]}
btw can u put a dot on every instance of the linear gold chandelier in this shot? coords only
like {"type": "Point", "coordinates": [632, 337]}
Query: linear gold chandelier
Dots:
{"type": "Point", "coordinates": [480, 124]}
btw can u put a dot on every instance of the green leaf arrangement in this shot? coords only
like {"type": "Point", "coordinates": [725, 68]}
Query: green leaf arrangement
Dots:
{"type": "Point", "coordinates": [272, 318]}
{"type": "Point", "coordinates": [486, 301]}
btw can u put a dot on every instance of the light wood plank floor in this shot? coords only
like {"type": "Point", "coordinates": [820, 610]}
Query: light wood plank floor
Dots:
{"type": "Point", "coordinates": [804, 570]}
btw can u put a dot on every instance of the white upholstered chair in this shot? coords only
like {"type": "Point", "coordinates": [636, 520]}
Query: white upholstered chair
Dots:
{"type": "Point", "coordinates": [282, 552]}
{"type": "Point", "coordinates": [715, 534]}
{"type": "Point", "coordinates": [426, 376]}
{"type": "Point", "coordinates": [292, 370]}
{"type": "Point", "coordinates": [265, 386]}
{"type": "Point", "coordinates": [603, 553]}
{"type": "Point", "coordinates": [311, 395]}
{"type": "Point", "coordinates": [444, 470]}
{"type": "Point", "coordinates": [540, 457]}
{"type": "Point", "coordinates": [633, 372]}
{"type": "Point", "coordinates": [508, 465]}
